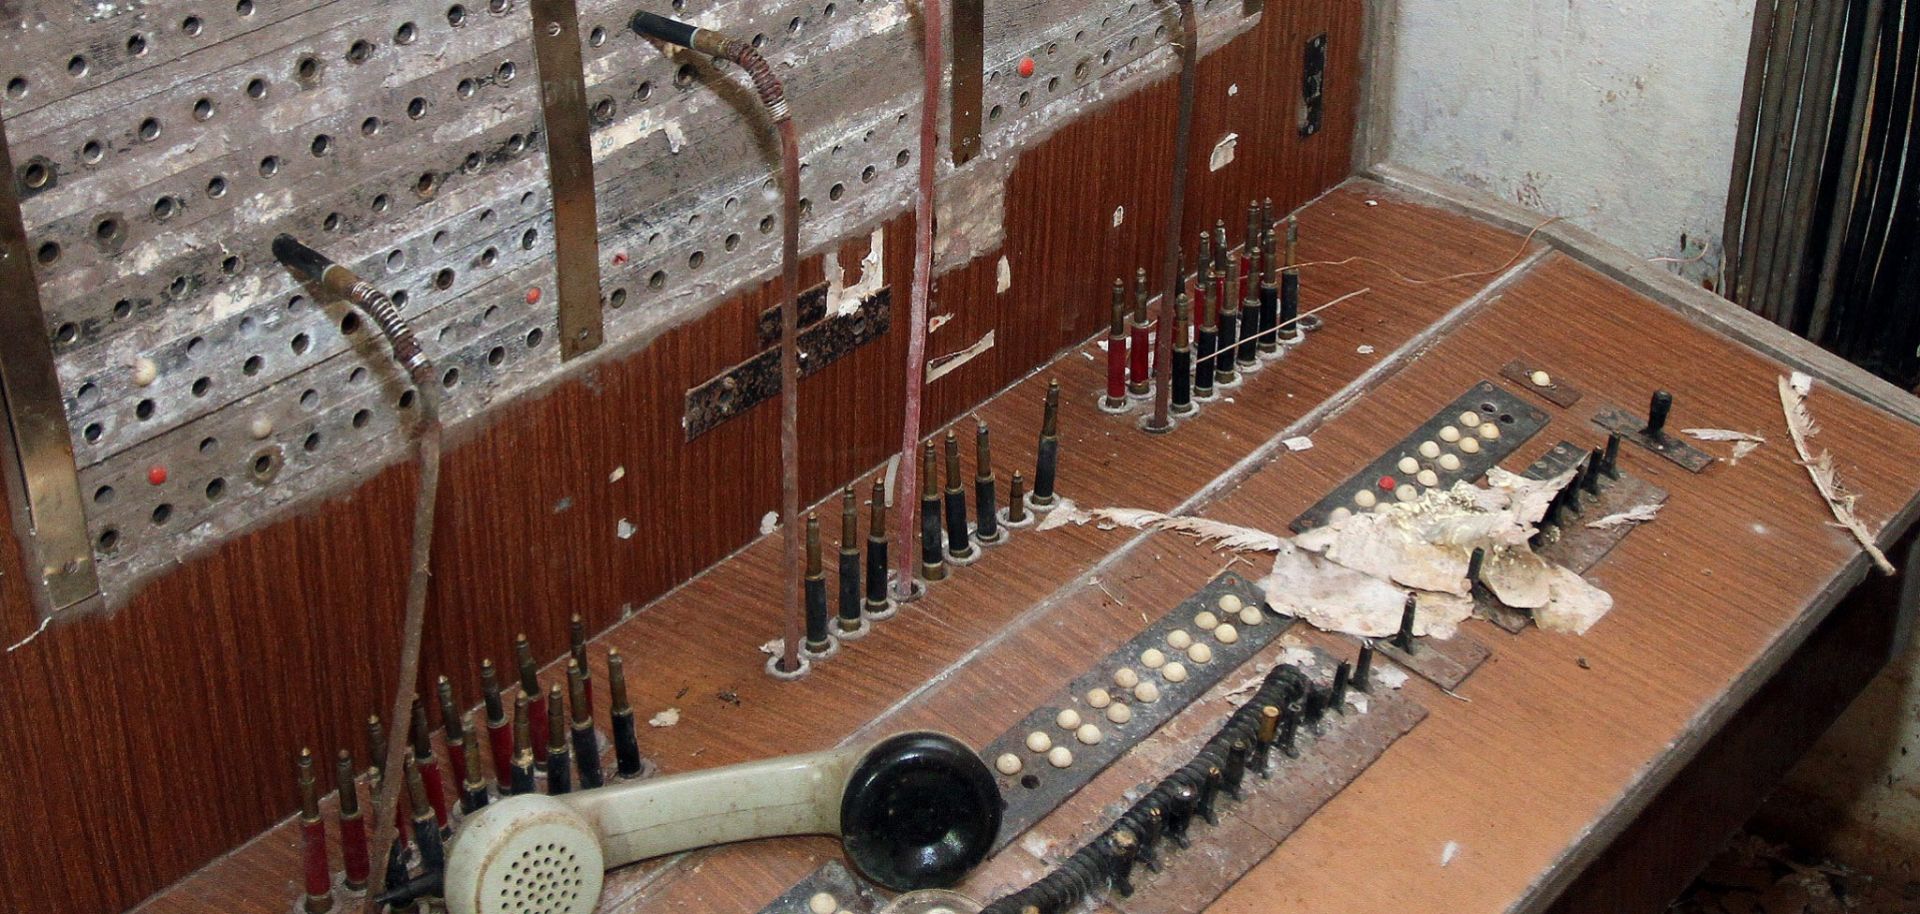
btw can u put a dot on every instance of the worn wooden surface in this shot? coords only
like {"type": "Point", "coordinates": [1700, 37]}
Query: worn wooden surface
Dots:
{"type": "Point", "coordinates": [1559, 741]}
{"type": "Point", "coordinates": [156, 739]}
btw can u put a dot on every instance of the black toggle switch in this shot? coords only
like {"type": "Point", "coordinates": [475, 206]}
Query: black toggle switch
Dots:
{"type": "Point", "coordinates": [1403, 639]}
{"type": "Point", "coordinates": [1657, 415]}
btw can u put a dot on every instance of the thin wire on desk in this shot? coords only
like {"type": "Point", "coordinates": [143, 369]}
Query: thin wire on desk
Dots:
{"type": "Point", "coordinates": [1525, 244]}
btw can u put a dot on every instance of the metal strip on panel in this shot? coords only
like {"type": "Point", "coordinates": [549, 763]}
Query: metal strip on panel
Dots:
{"type": "Point", "coordinates": [576, 243]}
{"type": "Point", "coordinates": [42, 447]}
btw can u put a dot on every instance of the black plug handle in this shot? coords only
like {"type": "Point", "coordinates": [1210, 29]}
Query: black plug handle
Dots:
{"type": "Point", "coordinates": [668, 30]}
{"type": "Point", "coordinates": [303, 260]}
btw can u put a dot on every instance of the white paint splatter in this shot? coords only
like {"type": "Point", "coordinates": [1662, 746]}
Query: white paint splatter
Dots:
{"type": "Point", "coordinates": [1365, 350]}
{"type": "Point", "coordinates": [1448, 853]}
{"type": "Point", "coordinates": [626, 530]}
{"type": "Point", "coordinates": [619, 473]}
{"type": "Point", "coordinates": [1119, 216]}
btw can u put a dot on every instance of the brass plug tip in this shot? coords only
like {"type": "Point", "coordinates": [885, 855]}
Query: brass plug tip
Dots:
{"type": "Point", "coordinates": [849, 520]}
{"type": "Point", "coordinates": [422, 737]}
{"type": "Point", "coordinates": [309, 798]}
{"type": "Point", "coordinates": [417, 792]}
{"type": "Point", "coordinates": [343, 780]}
{"type": "Point", "coordinates": [617, 682]}
{"type": "Point", "coordinates": [522, 726]}
{"type": "Point", "coordinates": [556, 719]}
{"type": "Point", "coordinates": [577, 696]}
{"type": "Point", "coordinates": [814, 566]}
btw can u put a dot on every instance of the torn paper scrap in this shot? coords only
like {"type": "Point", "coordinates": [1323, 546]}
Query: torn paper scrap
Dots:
{"type": "Point", "coordinates": [664, 719]}
{"type": "Point", "coordinates": [1221, 535]}
{"type": "Point", "coordinates": [1335, 598]}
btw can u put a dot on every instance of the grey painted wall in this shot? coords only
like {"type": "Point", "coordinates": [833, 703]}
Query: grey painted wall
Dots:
{"type": "Point", "coordinates": [1617, 114]}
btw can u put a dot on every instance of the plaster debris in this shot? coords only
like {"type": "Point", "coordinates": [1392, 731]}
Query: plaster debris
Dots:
{"type": "Point", "coordinates": [1392, 677]}
{"type": "Point", "coordinates": [1639, 515]}
{"type": "Point", "coordinates": [844, 299]}
{"type": "Point", "coordinates": [665, 719]}
{"type": "Point", "coordinates": [1801, 427]}
{"type": "Point", "coordinates": [626, 529]}
{"type": "Point", "coordinates": [1744, 443]}
{"type": "Point", "coordinates": [1302, 443]}
{"type": "Point", "coordinates": [1233, 90]}
{"type": "Point", "coordinates": [1223, 152]}
{"type": "Point", "coordinates": [1004, 280]}
{"type": "Point", "coordinates": [1365, 350]}
{"type": "Point", "coordinates": [619, 473]}
{"type": "Point", "coordinates": [563, 505]}
{"type": "Point", "coordinates": [1354, 575]}
{"type": "Point", "coordinates": [1573, 605]}
{"type": "Point", "coordinates": [1062, 514]}
{"type": "Point", "coordinates": [23, 642]}
{"type": "Point", "coordinates": [1335, 598]}
{"type": "Point", "coordinates": [1226, 536]}
{"type": "Point", "coordinates": [769, 523]}
{"type": "Point", "coordinates": [937, 321]}
{"type": "Point", "coordinates": [1449, 853]}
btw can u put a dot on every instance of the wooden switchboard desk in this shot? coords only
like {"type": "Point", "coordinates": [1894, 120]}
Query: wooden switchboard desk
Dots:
{"type": "Point", "coordinates": [1567, 773]}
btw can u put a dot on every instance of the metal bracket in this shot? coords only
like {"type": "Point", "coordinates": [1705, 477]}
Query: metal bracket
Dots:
{"type": "Point", "coordinates": [1634, 429]}
{"type": "Point", "coordinates": [969, 77]}
{"type": "Point", "coordinates": [1313, 86]}
{"type": "Point", "coordinates": [576, 242]}
{"type": "Point", "coordinates": [757, 380]}
{"type": "Point", "coordinates": [1555, 391]}
{"type": "Point", "coordinates": [42, 477]}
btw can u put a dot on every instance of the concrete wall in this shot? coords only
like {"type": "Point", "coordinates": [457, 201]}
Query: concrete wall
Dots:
{"type": "Point", "coordinates": [1620, 115]}
{"type": "Point", "coordinates": [1617, 114]}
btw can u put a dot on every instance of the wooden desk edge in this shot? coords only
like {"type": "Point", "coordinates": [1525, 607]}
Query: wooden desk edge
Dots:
{"type": "Point", "coordinates": [1697, 304]}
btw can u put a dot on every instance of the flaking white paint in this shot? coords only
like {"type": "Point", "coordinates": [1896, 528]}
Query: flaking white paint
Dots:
{"type": "Point", "coordinates": [1616, 114]}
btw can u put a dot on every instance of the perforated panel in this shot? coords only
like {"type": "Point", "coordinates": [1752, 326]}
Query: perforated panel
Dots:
{"type": "Point", "coordinates": [160, 146]}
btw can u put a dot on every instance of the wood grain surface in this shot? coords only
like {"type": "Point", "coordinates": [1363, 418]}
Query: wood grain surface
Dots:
{"type": "Point", "coordinates": [153, 741]}
{"type": "Point", "coordinates": [1546, 753]}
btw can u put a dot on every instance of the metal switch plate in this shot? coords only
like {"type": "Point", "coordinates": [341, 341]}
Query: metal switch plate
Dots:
{"type": "Point", "coordinates": [1313, 86]}
{"type": "Point", "coordinates": [1557, 391]}
{"type": "Point", "coordinates": [1039, 789]}
{"type": "Point", "coordinates": [757, 380]}
{"type": "Point", "coordinates": [1517, 420]}
{"type": "Point", "coordinates": [1633, 428]}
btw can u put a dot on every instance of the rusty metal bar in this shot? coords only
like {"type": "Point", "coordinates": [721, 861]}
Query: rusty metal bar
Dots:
{"type": "Point", "coordinates": [969, 77]}
{"type": "Point", "coordinates": [576, 241]}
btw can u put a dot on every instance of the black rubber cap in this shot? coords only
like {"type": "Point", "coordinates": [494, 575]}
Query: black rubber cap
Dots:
{"type": "Point", "coordinates": [667, 30]}
{"type": "Point", "coordinates": [920, 812]}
